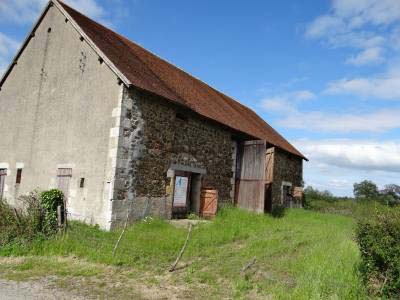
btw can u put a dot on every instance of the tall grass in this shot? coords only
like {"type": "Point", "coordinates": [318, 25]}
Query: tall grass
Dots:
{"type": "Point", "coordinates": [305, 255]}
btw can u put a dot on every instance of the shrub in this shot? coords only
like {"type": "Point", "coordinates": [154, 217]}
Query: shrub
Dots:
{"type": "Point", "coordinates": [31, 215]}
{"type": "Point", "coordinates": [50, 200]}
{"type": "Point", "coordinates": [379, 240]}
{"type": "Point", "coordinates": [36, 216]}
{"type": "Point", "coordinates": [278, 211]}
{"type": "Point", "coordinates": [7, 223]}
{"type": "Point", "coordinates": [21, 223]}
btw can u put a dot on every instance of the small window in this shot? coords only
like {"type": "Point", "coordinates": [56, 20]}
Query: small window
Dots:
{"type": "Point", "coordinates": [181, 116]}
{"type": "Point", "coordinates": [82, 183]}
{"type": "Point", "coordinates": [19, 176]}
{"type": "Point", "coordinates": [3, 174]}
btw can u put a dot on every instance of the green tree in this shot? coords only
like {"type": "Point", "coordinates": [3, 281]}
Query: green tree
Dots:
{"type": "Point", "coordinates": [390, 195]}
{"type": "Point", "coordinates": [365, 190]}
{"type": "Point", "coordinates": [392, 189]}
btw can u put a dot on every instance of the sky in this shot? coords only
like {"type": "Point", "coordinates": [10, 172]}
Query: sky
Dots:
{"type": "Point", "coordinates": [324, 74]}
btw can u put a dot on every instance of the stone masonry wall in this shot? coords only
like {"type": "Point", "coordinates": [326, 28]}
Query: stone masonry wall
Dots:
{"type": "Point", "coordinates": [152, 139]}
{"type": "Point", "coordinates": [287, 168]}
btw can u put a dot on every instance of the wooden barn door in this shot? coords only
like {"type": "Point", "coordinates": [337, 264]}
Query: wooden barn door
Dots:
{"type": "Point", "coordinates": [63, 178]}
{"type": "Point", "coordinates": [251, 186]}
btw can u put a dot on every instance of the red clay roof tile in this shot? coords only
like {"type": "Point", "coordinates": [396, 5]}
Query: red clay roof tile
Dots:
{"type": "Point", "coordinates": [151, 73]}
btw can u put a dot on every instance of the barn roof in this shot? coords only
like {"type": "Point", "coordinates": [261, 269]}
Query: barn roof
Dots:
{"type": "Point", "coordinates": [142, 69]}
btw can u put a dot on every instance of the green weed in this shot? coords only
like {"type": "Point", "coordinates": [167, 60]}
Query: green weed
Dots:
{"type": "Point", "coordinates": [304, 255]}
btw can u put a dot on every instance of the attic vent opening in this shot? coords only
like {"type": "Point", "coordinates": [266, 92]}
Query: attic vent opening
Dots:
{"type": "Point", "coordinates": [82, 38]}
{"type": "Point", "coordinates": [181, 117]}
{"type": "Point", "coordinates": [49, 30]}
{"type": "Point", "coordinates": [101, 60]}
{"type": "Point", "coordinates": [82, 183]}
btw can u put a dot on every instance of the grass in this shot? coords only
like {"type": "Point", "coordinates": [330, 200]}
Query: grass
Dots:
{"type": "Point", "coordinates": [305, 255]}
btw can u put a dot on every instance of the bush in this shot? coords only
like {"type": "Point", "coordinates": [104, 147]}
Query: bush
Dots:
{"type": "Point", "coordinates": [50, 200]}
{"type": "Point", "coordinates": [379, 240]}
{"type": "Point", "coordinates": [22, 223]}
{"type": "Point", "coordinates": [278, 211]}
{"type": "Point", "coordinates": [36, 216]}
{"type": "Point", "coordinates": [7, 223]}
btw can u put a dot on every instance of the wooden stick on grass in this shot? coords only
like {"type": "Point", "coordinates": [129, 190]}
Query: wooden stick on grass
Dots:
{"type": "Point", "coordinates": [249, 265]}
{"type": "Point", "coordinates": [173, 267]}
{"type": "Point", "coordinates": [123, 231]}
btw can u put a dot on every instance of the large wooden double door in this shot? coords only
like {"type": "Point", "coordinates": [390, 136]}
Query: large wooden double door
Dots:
{"type": "Point", "coordinates": [253, 191]}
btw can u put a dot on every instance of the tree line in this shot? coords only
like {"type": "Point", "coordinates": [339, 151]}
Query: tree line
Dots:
{"type": "Point", "coordinates": [365, 190]}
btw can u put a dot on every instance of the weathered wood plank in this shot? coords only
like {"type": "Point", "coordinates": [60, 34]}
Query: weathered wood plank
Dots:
{"type": "Point", "coordinates": [252, 176]}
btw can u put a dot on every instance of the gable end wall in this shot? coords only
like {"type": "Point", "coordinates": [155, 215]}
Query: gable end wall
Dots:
{"type": "Point", "coordinates": [61, 108]}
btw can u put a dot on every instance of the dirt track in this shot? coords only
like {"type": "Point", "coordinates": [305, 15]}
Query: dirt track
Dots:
{"type": "Point", "coordinates": [31, 290]}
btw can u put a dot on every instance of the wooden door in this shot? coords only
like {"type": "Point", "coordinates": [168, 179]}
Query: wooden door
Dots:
{"type": "Point", "coordinates": [268, 198]}
{"type": "Point", "coordinates": [251, 187]}
{"type": "Point", "coordinates": [269, 177]}
{"type": "Point", "coordinates": [287, 197]}
{"type": "Point", "coordinates": [63, 178]}
{"type": "Point", "coordinates": [3, 174]}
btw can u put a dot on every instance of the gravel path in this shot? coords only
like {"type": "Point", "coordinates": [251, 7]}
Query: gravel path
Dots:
{"type": "Point", "coordinates": [31, 290]}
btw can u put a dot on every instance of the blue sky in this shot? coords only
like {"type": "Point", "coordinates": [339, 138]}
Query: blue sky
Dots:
{"type": "Point", "coordinates": [325, 74]}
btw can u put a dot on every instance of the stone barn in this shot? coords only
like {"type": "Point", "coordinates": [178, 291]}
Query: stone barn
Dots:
{"type": "Point", "coordinates": [123, 132]}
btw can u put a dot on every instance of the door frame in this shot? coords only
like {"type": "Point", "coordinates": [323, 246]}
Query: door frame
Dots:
{"type": "Point", "coordinates": [180, 211]}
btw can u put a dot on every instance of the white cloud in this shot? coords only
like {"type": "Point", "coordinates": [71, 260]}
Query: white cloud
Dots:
{"type": "Point", "coordinates": [385, 86]}
{"type": "Point", "coordinates": [20, 11]}
{"type": "Point", "coordinates": [354, 154]}
{"type": "Point", "coordinates": [335, 164]}
{"type": "Point", "coordinates": [378, 121]}
{"type": "Point", "coordinates": [287, 101]}
{"type": "Point", "coordinates": [326, 25]}
{"type": "Point", "coordinates": [8, 46]}
{"type": "Point", "coordinates": [366, 57]}
{"type": "Point", "coordinates": [353, 14]}
{"type": "Point", "coordinates": [303, 95]}
{"type": "Point", "coordinates": [290, 116]}
{"type": "Point", "coordinates": [89, 7]}
{"type": "Point", "coordinates": [359, 12]}
{"type": "Point", "coordinates": [338, 33]}
{"type": "Point", "coordinates": [276, 104]}
{"type": "Point", "coordinates": [26, 11]}
{"type": "Point", "coordinates": [394, 39]}
{"type": "Point", "coordinates": [361, 24]}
